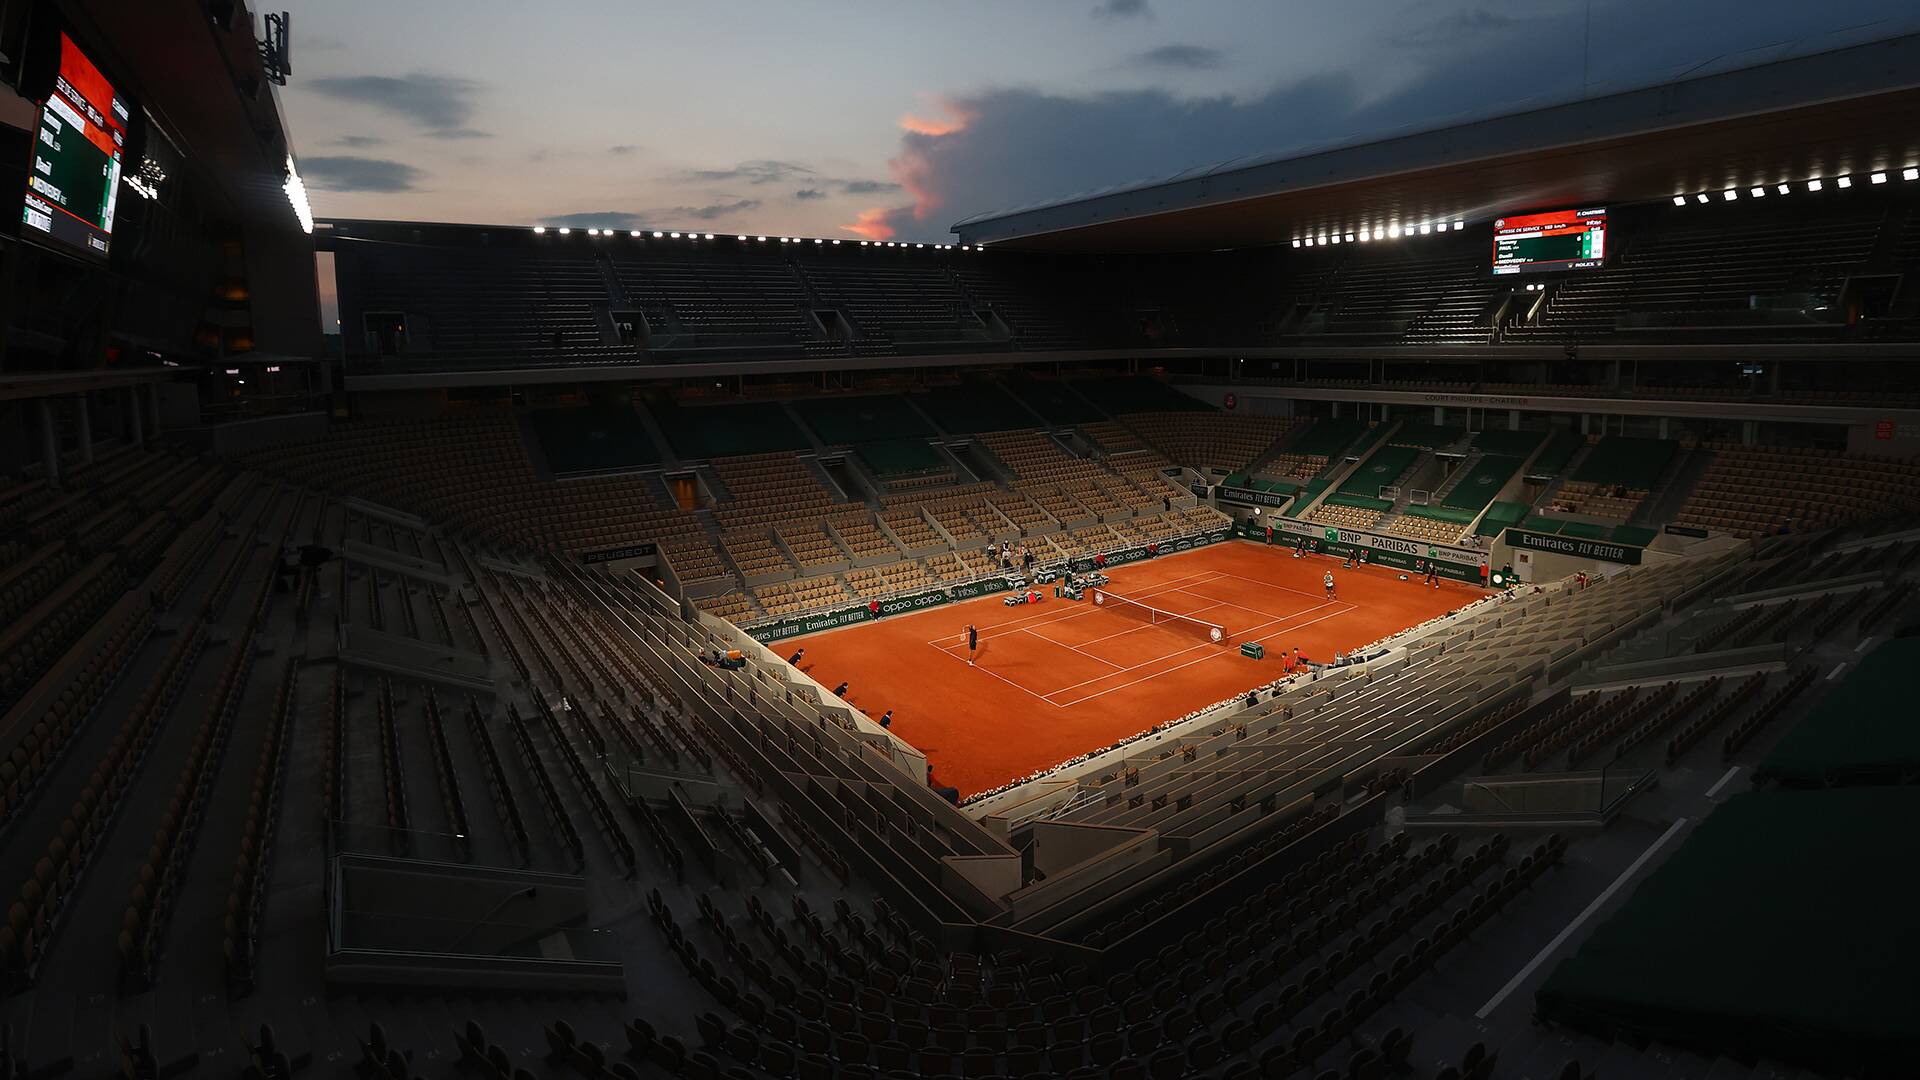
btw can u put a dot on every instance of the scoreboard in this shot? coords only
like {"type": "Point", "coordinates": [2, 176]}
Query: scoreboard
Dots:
{"type": "Point", "coordinates": [1542, 243]}
{"type": "Point", "coordinates": [73, 180]}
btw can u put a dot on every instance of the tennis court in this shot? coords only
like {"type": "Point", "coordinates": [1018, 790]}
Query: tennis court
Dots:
{"type": "Point", "coordinates": [1054, 680]}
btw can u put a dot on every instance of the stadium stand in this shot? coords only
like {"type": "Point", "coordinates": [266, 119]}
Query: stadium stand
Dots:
{"type": "Point", "coordinates": [448, 726]}
{"type": "Point", "coordinates": [1749, 490]}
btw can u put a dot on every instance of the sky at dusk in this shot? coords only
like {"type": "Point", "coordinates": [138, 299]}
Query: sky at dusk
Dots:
{"type": "Point", "coordinates": [897, 118]}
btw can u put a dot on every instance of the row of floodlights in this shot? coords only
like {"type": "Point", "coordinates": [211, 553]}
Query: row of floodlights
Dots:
{"type": "Point", "coordinates": [1759, 191]}
{"type": "Point", "coordinates": [542, 230]}
{"type": "Point", "coordinates": [1378, 232]}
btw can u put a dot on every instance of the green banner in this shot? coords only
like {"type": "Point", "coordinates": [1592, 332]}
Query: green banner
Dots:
{"type": "Point", "coordinates": [832, 620]}
{"type": "Point", "coordinates": [1599, 550]}
{"type": "Point", "coordinates": [1254, 496]}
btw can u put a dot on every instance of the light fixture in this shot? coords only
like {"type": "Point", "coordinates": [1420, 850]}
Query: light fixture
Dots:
{"type": "Point", "coordinates": [657, 234]}
{"type": "Point", "coordinates": [1679, 200]}
{"type": "Point", "coordinates": [539, 230]}
{"type": "Point", "coordinates": [1379, 233]}
{"type": "Point", "coordinates": [743, 239]}
{"type": "Point", "coordinates": [673, 236]}
{"type": "Point", "coordinates": [1910, 174]}
{"type": "Point", "coordinates": [1702, 197]}
{"type": "Point", "coordinates": [1296, 242]}
{"type": "Point", "coordinates": [296, 191]}
{"type": "Point", "coordinates": [1336, 238]}
{"type": "Point", "coordinates": [1393, 231]}
{"type": "Point", "coordinates": [593, 232]}
{"type": "Point", "coordinates": [1783, 189]}
{"type": "Point", "coordinates": [762, 239]}
{"type": "Point", "coordinates": [635, 234]}
{"type": "Point", "coordinates": [565, 231]}
{"type": "Point", "coordinates": [836, 242]}
{"type": "Point", "coordinates": [1425, 228]}
{"type": "Point", "coordinates": [1815, 185]}
{"type": "Point", "coordinates": [1349, 238]}
{"type": "Point", "coordinates": [1843, 181]}
{"type": "Point", "coordinates": [1365, 236]}
{"type": "Point", "coordinates": [1878, 178]}
{"type": "Point", "coordinates": [1757, 192]}
{"type": "Point", "coordinates": [816, 240]}
{"type": "Point", "coordinates": [1729, 195]}
{"type": "Point", "coordinates": [1458, 225]}
{"type": "Point", "coordinates": [709, 236]}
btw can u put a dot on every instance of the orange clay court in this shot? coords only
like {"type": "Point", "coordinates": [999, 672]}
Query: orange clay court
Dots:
{"type": "Point", "coordinates": [1060, 678]}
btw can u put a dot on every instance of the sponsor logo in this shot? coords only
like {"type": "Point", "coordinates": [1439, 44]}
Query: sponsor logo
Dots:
{"type": "Point", "coordinates": [630, 551]}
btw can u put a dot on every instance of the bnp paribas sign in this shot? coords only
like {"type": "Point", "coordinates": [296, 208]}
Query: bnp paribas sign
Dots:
{"type": "Point", "coordinates": [1379, 543]}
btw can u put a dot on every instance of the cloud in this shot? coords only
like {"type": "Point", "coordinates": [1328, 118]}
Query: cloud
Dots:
{"type": "Point", "coordinates": [875, 223]}
{"type": "Point", "coordinates": [715, 211]}
{"type": "Point", "coordinates": [594, 219]}
{"type": "Point", "coordinates": [358, 142]}
{"type": "Point", "coordinates": [1190, 57]}
{"type": "Point", "coordinates": [1453, 28]}
{"type": "Point", "coordinates": [459, 133]}
{"type": "Point", "coordinates": [1123, 9]}
{"type": "Point", "coordinates": [809, 193]}
{"type": "Point", "coordinates": [348, 173]}
{"type": "Point", "coordinates": [868, 187]}
{"type": "Point", "coordinates": [1015, 147]}
{"type": "Point", "coordinates": [622, 150]}
{"type": "Point", "coordinates": [436, 103]}
{"type": "Point", "coordinates": [762, 171]}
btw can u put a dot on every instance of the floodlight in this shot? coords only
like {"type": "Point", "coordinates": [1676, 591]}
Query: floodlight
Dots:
{"type": "Point", "coordinates": [539, 230]}
{"type": "Point", "coordinates": [1783, 189]}
{"type": "Point", "coordinates": [1296, 243]}
{"type": "Point", "coordinates": [1843, 181]}
{"type": "Point", "coordinates": [1757, 192]}
{"type": "Point", "coordinates": [1729, 195]}
{"type": "Point", "coordinates": [1379, 233]}
{"type": "Point", "coordinates": [1349, 238]}
{"type": "Point", "coordinates": [1679, 200]}
{"type": "Point", "coordinates": [1702, 197]}
{"type": "Point", "coordinates": [1815, 185]}
{"type": "Point", "coordinates": [1910, 174]}
{"type": "Point", "coordinates": [1458, 225]}
{"type": "Point", "coordinates": [635, 234]}
{"type": "Point", "coordinates": [1878, 178]}
{"type": "Point", "coordinates": [1393, 231]}
{"type": "Point", "coordinates": [564, 231]}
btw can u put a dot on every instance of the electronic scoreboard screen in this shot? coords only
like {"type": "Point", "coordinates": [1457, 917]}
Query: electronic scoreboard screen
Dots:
{"type": "Point", "coordinates": [1541, 243]}
{"type": "Point", "coordinates": [75, 174]}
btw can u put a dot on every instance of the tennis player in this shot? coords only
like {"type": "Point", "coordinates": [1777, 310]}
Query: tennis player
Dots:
{"type": "Point", "coordinates": [973, 642]}
{"type": "Point", "coordinates": [1328, 582]}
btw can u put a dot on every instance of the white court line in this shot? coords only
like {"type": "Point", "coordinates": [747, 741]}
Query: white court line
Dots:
{"type": "Point", "coordinates": [1029, 631]}
{"type": "Point", "coordinates": [1046, 618]}
{"type": "Point", "coordinates": [1715, 789]}
{"type": "Point", "coordinates": [1004, 679]}
{"type": "Point", "coordinates": [1149, 626]}
{"type": "Point", "coordinates": [1205, 645]}
{"type": "Point", "coordinates": [1190, 663]}
{"type": "Point", "coordinates": [1561, 938]}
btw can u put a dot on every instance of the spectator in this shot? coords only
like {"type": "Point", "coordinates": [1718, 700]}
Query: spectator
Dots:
{"type": "Point", "coordinates": [886, 719]}
{"type": "Point", "coordinates": [840, 691]}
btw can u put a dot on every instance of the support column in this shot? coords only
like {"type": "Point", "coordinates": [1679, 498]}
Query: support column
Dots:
{"type": "Point", "coordinates": [135, 432]}
{"type": "Point", "coordinates": [83, 423]}
{"type": "Point", "coordinates": [49, 442]}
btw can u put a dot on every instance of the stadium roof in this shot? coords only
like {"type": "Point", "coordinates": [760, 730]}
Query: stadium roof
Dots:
{"type": "Point", "coordinates": [1850, 110]}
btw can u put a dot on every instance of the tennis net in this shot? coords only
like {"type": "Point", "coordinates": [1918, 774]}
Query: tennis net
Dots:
{"type": "Point", "coordinates": [1147, 613]}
